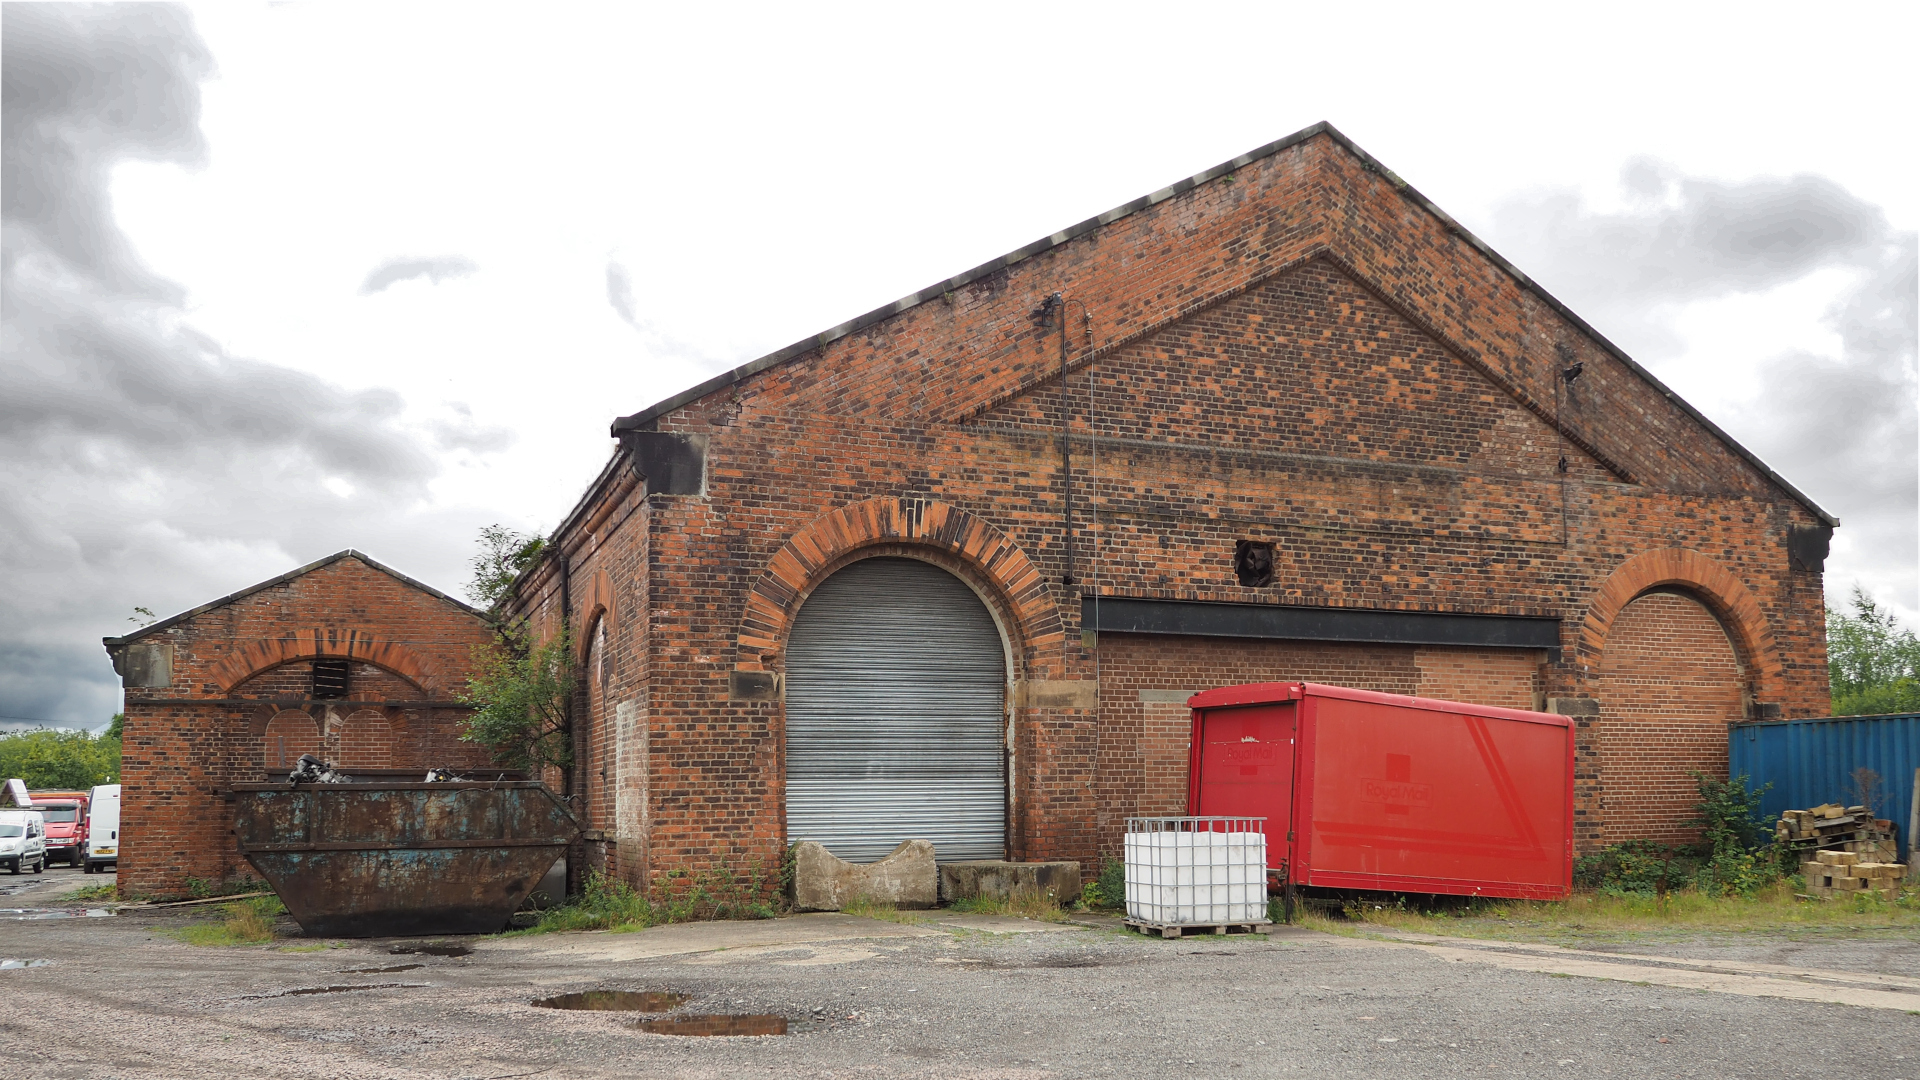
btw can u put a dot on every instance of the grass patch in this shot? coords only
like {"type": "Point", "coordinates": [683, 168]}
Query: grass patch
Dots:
{"type": "Point", "coordinates": [243, 922]}
{"type": "Point", "coordinates": [1024, 904]}
{"type": "Point", "coordinates": [1605, 914]}
{"type": "Point", "coordinates": [107, 891]}
{"type": "Point", "coordinates": [868, 908]}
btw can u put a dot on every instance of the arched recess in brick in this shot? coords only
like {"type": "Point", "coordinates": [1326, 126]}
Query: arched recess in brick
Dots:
{"type": "Point", "coordinates": [289, 734]}
{"type": "Point", "coordinates": [366, 740]}
{"type": "Point", "coordinates": [1668, 684]}
{"type": "Point", "coordinates": [1714, 586]}
{"type": "Point", "coordinates": [943, 534]}
{"type": "Point", "coordinates": [256, 656]}
{"type": "Point", "coordinates": [595, 750]}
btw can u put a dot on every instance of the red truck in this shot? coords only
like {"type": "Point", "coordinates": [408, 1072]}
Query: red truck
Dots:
{"type": "Point", "coordinates": [65, 813]}
{"type": "Point", "coordinates": [1384, 793]}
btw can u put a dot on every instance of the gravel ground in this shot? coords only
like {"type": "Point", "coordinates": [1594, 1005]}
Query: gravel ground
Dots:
{"type": "Point", "coordinates": [121, 998]}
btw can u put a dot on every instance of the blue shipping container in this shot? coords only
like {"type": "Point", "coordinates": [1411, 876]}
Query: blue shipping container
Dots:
{"type": "Point", "coordinates": [1810, 762]}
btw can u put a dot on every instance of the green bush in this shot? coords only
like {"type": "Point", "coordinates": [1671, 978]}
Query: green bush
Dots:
{"type": "Point", "coordinates": [1727, 862]}
{"type": "Point", "coordinates": [1639, 868]}
{"type": "Point", "coordinates": [1109, 890]}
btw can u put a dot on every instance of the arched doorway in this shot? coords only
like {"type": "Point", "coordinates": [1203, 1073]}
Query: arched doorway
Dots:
{"type": "Point", "coordinates": [1670, 683]}
{"type": "Point", "coordinates": [896, 715]}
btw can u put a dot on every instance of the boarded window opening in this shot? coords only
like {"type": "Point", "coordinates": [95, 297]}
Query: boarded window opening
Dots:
{"type": "Point", "coordinates": [330, 678]}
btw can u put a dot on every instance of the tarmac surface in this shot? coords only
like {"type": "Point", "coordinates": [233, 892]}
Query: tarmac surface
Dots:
{"type": "Point", "coordinates": [953, 996]}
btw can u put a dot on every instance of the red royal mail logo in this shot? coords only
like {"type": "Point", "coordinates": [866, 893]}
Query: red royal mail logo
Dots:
{"type": "Point", "coordinates": [1245, 753]}
{"type": "Point", "coordinates": [1397, 792]}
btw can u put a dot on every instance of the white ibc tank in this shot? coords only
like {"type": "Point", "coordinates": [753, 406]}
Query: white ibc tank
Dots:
{"type": "Point", "coordinates": [1196, 871]}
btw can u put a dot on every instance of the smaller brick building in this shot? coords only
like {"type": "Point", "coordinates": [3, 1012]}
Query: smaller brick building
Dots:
{"type": "Point", "coordinates": [343, 658]}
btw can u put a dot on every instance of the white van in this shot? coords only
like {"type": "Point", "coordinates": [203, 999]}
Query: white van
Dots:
{"type": "Point", "coordinates": [103, 829]}
{"type": "Point", "coordinates": [23, 840]}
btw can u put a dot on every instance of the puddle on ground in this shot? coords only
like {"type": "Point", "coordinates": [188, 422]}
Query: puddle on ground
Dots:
{"type": "Point", "coordinates": [430, 950]}
{"type": "Point", "coordinates": [8, 965]}
{"type": "Point", "coordinates": [306, 990]}
{"type": "Point", "coordinates": [715, 1024]}
{"type": "Point", "coordinates": [380, 971]}
{"type": "Point", "coordinates": [616, 1001]}
{"type": "Point", "coordinates": [22, 913]}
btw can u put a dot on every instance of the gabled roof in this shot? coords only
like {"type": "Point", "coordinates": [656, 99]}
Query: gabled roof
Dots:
{"type": "Point", "coordinates": [349, 553]}
{"type": "Point", "coordinates": [641, 419]}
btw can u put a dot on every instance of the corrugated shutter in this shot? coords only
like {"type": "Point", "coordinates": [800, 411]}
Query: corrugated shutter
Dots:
{"type": "Point", "coordinates": [896, 691]}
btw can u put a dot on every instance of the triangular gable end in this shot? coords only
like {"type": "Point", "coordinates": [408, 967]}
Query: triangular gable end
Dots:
{"type": "Point", "coordinates": [645, 419]}
{"type": "Point", "coordinates": [282, 579]}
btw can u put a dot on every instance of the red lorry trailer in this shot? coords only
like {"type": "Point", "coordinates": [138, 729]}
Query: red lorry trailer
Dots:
{"type": "Point", "coordinates": [66, 816]}
{"type": "Point", "coordinates": [1383, 793]}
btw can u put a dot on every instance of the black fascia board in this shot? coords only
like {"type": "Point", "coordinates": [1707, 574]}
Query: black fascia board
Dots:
{"type": "Point", "coordinates": [1194, 618]}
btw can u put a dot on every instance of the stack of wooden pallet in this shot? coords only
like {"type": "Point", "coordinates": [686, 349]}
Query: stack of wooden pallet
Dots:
{"type": "Point", "coordinates": [1832, 827]}
{"type": "Point", "coordinates": [1844, 850]}
{"type": "Point", "coordinates": [1841, 874]}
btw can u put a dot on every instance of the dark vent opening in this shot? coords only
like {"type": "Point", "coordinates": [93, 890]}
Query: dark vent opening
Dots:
{"type": "Point", "coordinates": [329, 678]}
{"type": "Point", "coordinates": [1253, 563]}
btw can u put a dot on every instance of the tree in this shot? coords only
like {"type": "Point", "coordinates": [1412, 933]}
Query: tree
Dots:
{"type": "Point", "coordinates": [1874, 662]}
{"type": "Point", "coordinates": [520, 690]}
{"type": "Point", "coordinates": [62, 759]}
{"type": "Point", "coordinates": [504, 555]}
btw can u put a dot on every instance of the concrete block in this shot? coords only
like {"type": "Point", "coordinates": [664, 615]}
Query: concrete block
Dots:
{"type": "Point", "coordinates": [822, 881]}
{"type": "Point", "coordinates": [1000, 880]}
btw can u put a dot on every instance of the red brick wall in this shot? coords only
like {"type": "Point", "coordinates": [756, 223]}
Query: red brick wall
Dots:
{"type": "Point", "coordinates": [1301, 355]}
{"type": "Point", "coordinates": [1669, 685]}
{"type": "Point", "coordinates": [221, 719]}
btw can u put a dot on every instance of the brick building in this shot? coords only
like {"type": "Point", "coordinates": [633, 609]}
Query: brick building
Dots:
{"type": "Point", "coordinates": [343, 658]}
{"type": "Point", "coordinates": [950, 569]}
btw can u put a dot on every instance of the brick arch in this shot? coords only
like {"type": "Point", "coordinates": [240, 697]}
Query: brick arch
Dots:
{"type": "Point", "coordinates": [824, 543]}
{"type": "Point", "coordinates": [595, 602]}
{"type": "Point", "coordinates": [256, 656]}
{"type": "Point", "coordinates": [290, 733]}
{"type": "Point", "coordinates": [1725, 595]}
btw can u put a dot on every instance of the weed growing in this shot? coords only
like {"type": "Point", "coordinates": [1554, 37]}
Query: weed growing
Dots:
{"type": "Point", "coordinates": [107, 891]}
{"type": "Point", "coordinates": [869, 908]}
{"type": "Point", "coordinates": [1024, 903]}
{"type": "Point", "coordinates": [202, 889]}
{"type": "Point", "coordinates": [243, 922]}
{"type": "Point", "coordinates": [607, 903]}
{"type": "Point", "coordinates": [1108, 892]}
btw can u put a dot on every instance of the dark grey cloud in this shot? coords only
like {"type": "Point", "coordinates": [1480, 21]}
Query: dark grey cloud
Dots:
{"type": "Point", "coordinates": [140, 464]}
{"type": "Point", "coordinates": [437, 269]}
{"type": "Point", "coordinates": [1843, 427]}
{"type": "Point", "coordinates": [620, 293]}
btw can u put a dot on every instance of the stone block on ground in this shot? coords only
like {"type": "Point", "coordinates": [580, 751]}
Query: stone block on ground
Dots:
{"type": "Point", "coordinates": [822, 881]}
{"type": "Point", "coordinates": [1001, 880]}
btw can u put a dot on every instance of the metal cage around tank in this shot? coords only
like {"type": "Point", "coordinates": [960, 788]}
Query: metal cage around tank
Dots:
{"type": "Point", "coordinates": [1196, 871]}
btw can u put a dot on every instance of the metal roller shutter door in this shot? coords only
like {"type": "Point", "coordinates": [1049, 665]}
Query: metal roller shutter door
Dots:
{"type": "Point", "coordinates": [896, 691]}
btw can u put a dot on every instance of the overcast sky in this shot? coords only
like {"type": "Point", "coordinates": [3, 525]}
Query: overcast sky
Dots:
{"type": "Point", "coordinates": [282, 279]}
